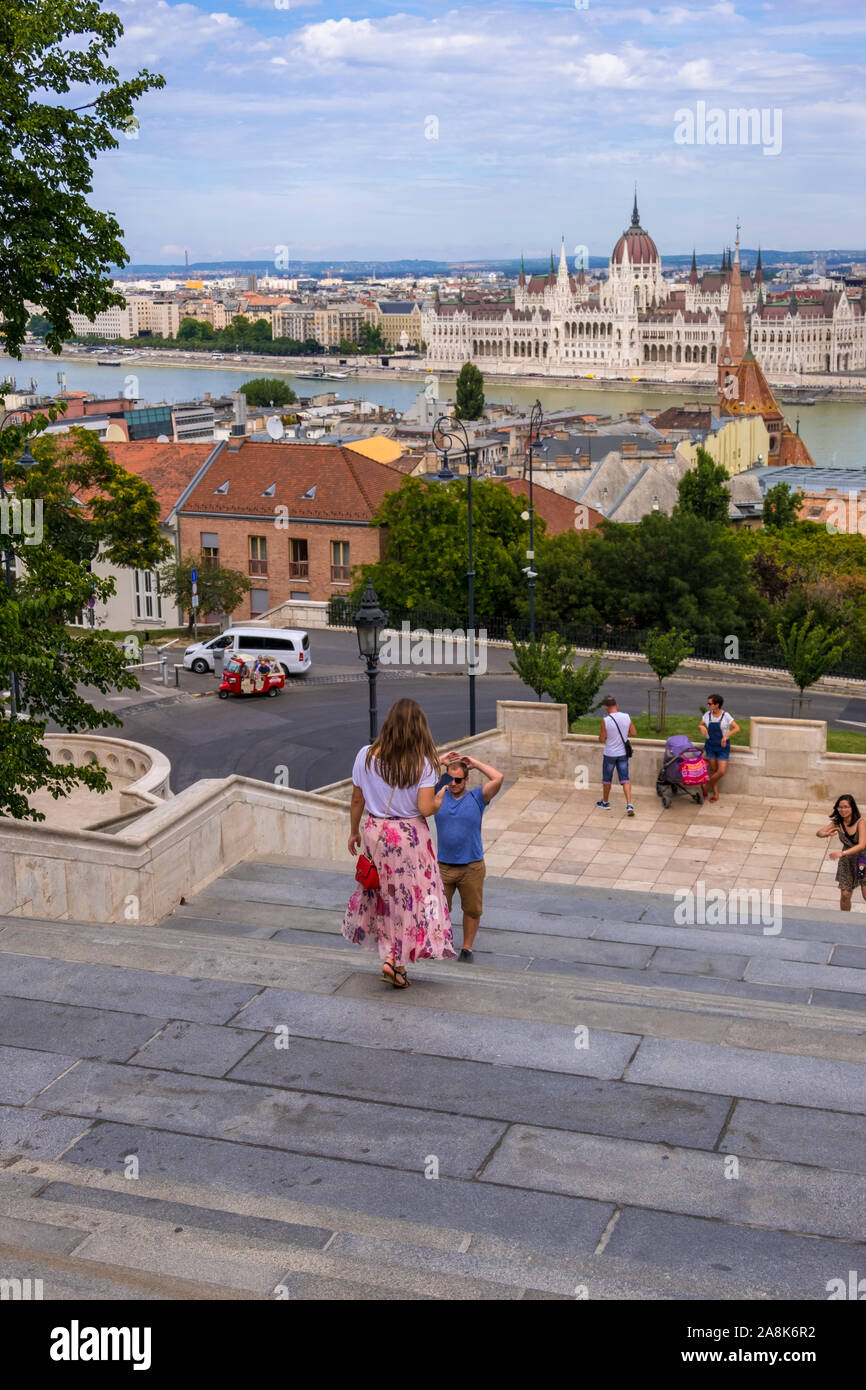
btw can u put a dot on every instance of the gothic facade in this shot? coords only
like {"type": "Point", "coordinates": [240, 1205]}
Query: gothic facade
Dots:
{"type": "Point", "coordinates": [636, 323]}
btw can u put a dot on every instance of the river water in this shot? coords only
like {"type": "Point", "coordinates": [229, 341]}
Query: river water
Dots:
{"type": "Point", "coordinates": [834, 430]}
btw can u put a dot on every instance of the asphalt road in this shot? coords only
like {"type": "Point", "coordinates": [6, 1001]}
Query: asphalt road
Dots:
{"type": "Point", "coordinates": [310, 734]}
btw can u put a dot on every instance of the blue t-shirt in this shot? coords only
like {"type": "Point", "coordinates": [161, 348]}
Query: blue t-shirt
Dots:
{"type": "Point", "coordinates": [458, 827]}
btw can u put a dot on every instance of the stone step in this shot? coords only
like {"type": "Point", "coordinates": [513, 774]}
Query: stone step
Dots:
{"type": "Point", "coordinates": [85, 1238]}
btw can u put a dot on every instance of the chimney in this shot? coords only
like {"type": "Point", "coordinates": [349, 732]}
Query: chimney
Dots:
{"type": "Point", "coordinates": [239, 425]}
{"type": "Point", "coordinates": [629, 447]}
{"type": "Point", "coordinates": [666, 448]}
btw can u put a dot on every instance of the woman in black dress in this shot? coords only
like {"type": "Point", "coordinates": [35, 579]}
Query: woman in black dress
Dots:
{"type": "Point", "coordinates": [849, 825]}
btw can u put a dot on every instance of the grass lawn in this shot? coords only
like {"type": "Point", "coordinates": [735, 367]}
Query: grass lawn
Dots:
{"type": "Point", "coordinates": [838, 740]}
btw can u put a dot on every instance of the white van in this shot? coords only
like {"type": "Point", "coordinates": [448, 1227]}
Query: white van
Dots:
{"type": "Point", "coordinates": [289, 646]}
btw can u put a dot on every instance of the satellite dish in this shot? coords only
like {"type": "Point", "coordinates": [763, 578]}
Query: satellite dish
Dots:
{"type": "Point", "coordinates": [275, 427]}
{"type": "Point", "coordinates": [163, 439]}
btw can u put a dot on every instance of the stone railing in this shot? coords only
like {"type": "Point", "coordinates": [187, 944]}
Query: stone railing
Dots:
{"type": "Point", "coordinates": [141, 873]}
{"type": "Point", "coordinates": [297, 613]}
{"type": "Point", "coordinates": [786, 760]}
{"type": "Point", "coordinates": [133, 768]}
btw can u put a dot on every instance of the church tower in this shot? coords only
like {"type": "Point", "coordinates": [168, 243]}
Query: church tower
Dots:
{"type": "Point", "coordinates": [733, 346]}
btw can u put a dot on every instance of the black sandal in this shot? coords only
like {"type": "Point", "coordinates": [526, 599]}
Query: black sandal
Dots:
{"type": "Point", "coordinates": [401, 970]}
{"type": "Point", "coordinates": [388, 965]}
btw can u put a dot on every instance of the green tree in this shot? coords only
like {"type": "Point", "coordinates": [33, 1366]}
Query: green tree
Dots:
{"type": "Point", "coordinates": [781, 507]}
{"type": "Point", "coordinates": [426, 552]}
{"type": "Point", "coordinates": [56, 250]}
{"type": "Point", "coordinates": [809, 650]}
{"type": "Point", "coordinates": [39, 326]}
{"type": "Point", "coordinates": [372, 339]}
{"type": "Point", "coordinates": [546, 665]}
{"type": "Point", "coordinates": [469, 394]}
{"type": "Point", "coordinates": [538, 661]}
{"type": "Point", "coordinates": [666, 651]}
{"type": "Point", "coordinates": [702, 491]}
{"type": "Point", "coordinates": [220, 589]}
{"type": "Point", "coordinates": [268, 390]}
{"type": "Point", "coordinates": [189, 330]}
{"type": "Point", "coordinates": [117, 514]}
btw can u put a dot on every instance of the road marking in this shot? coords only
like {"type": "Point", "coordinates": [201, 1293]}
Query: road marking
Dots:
{"type": "Point", "coordinates": [858, 723]}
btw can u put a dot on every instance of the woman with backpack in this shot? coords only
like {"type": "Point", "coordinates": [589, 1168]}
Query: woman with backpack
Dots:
{"type": "Point", "coordinates": [398, 907]}
{"type": "Point", "coordinates": [717, 727]}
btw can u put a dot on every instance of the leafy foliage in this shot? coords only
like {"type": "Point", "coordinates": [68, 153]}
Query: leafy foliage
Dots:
{"type": "Point", "coordinates": [781, 507]}
{"type": "Point", "coordinates": [810, 651]}
{"type": "Point", "coordinates": [55, 250]}
{"type": "Point", "coordinates": [426, 553]}
{"type": "Point", "coordinates": [666, 651]}
{"type": "Point", "coordinates": [469, 393]}
{"type": "Point", "coordinates": [702, 491]}
{"type": "Point", "coordinates": [372, 339]}
{"type": "Point", "coordinates": [115, 512]}
{"type": "Point", "coordinates": [546, 665]}
{"type": "Point", "coordinates": [220, 589]}
{"type": "Point", "coordinates": [268, 390]}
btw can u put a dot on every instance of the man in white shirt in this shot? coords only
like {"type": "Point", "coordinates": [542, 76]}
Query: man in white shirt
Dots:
{"type": "Point", "coordinates": [615, 729]}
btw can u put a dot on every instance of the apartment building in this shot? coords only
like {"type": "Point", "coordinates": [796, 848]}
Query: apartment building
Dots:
{"type": "Point", "coordinates": [329, 325]}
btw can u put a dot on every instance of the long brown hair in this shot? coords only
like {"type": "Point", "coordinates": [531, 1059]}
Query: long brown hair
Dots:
{"type": "Point", "coordinates": [404, 744]}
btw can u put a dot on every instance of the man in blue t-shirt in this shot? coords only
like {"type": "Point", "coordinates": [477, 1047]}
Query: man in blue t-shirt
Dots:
{"type": "Point", "coordinates": [458, 827]}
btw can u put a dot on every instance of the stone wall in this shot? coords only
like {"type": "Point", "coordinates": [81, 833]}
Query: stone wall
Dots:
{"type": "Point", "coordinates": [140, 873]}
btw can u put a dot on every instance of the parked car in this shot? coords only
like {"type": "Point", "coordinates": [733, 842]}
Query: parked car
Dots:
{"type": "Point", "coordinates": [288, 646]}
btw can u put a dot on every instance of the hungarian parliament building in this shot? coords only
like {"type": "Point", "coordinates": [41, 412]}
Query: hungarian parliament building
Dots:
{"type": "Point", "coordinates": [636, 323]}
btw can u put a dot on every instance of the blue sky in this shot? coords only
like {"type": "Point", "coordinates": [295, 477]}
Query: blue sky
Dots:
{"type": "Point", "coordinates": [310, 126]}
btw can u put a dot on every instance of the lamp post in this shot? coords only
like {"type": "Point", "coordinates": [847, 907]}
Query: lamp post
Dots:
{"type": "Point", "coordinates": [535, 420]}
{"type": "Point", "coordinates": [26, 461]}
{"type": "Point", "coordinates": [447, 431]}
{"type": "Point", "coordinates": [370, 622]}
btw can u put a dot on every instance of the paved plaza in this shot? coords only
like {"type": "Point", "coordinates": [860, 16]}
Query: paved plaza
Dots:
{"type": "Point", "coordinates": [604, 1105]}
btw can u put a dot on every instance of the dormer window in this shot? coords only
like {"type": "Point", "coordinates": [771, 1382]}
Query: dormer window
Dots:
{"type": "Point", "coordinates": [223, 489]}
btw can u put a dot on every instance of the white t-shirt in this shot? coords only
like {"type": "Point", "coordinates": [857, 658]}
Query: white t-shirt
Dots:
{"type": "Point", "coordinates": [724, 719]}
{"type": "Point", "coordinates": [404, 800]}
{"type": "Point", "coordinates": [616, 726]}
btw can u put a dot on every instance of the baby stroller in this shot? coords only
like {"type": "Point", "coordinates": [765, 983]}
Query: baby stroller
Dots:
{"type": "Point", "coordinates": [684, 770]}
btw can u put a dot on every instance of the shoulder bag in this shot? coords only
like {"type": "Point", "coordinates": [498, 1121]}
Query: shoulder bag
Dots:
{"type": "Point", "coordinates": [366, 872]}
{"type": "Point", "coordinates": [629, 752]}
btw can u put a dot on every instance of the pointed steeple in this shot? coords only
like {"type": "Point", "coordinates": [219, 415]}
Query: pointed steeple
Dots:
{"type": "Point", "coordinates": [563, 265]}
{"type": "Point", "coordinates": [552, 266]}
{"type": "Point", "coordinates": [693, 274]}
{"type": "Point", "coordinates": [522, 277]}
{"type": "Point", "coordinates": [635, 217]}
{"type": "Point", "coordinates": [759, 270]}
{"type": "Point", "coordinates": [733, 346]}
{"type": "Point", "coordinates": [724, 259]}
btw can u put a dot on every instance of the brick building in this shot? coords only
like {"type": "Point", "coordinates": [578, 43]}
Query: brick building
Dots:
{"type": "Point", "coordinates": [293, 517]}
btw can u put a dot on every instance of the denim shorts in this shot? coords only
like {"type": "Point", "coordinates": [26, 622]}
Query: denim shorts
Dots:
{"type": "Point", "coordinates": [722, 754]}
{"type": "Point", "coordinates": [608, 765]}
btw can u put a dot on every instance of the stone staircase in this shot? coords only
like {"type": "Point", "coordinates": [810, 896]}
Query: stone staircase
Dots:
{"type": "Point", "coordinates": [603, 1105]}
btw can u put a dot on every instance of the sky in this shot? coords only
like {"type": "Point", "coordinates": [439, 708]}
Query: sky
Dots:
{"type": "Point", "coordinates": [353, 129]}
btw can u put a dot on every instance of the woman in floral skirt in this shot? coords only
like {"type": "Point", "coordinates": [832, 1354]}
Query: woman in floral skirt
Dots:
{"type": "Point", "coordinates": [406, 918]}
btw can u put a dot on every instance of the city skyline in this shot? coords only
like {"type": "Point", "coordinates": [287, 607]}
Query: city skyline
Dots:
{"type": "Point", "coordinates": [355, 132]}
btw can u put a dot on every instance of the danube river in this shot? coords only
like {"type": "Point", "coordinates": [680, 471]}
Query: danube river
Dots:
{"type": "Point", "coordinates": [834, 430]}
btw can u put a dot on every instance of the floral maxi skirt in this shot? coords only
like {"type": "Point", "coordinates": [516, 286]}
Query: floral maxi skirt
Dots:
{"type": "Point", "coordinates": [406, 917]}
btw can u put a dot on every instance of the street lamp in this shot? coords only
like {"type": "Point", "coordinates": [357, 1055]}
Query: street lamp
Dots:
{"type": "Point", "coordinates": [370, 622]}
{"type": "Point", "coordinates": [445, 434]}
{"type": "Point", "coordinates": [530, 571]}
{"type": "Point", "coordinates": [26, 462]}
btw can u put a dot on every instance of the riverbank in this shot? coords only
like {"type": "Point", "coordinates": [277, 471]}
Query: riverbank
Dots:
{"type": "Point", "coordinates": [695, 389]}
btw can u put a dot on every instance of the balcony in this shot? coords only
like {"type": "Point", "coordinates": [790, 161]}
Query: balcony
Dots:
{"type": "Point", "coordinates": [340, 574]}
{"type": "Point", "coordinates": [299, 569]}
{"type": "Point", "coordinates": [258, 568]}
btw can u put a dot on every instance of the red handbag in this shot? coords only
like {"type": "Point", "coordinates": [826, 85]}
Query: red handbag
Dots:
{"type": "Point", "coordinates": [366, 872]}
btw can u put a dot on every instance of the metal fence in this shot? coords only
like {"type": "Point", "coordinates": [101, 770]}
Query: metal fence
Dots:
{"type": "Point", "coordinates": [616, 640]}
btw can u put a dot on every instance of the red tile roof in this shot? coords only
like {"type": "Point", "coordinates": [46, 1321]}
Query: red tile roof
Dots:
{"type": "Point", "coordinates": [349, 487]}
{"type": "Point", "coordinates": [169, 468]}
{"type": "Point", "coordinates": [558, 512]}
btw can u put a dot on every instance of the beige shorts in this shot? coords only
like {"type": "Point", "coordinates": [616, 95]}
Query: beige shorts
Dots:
{"type": "Point", "coordinates": [468, 879]}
